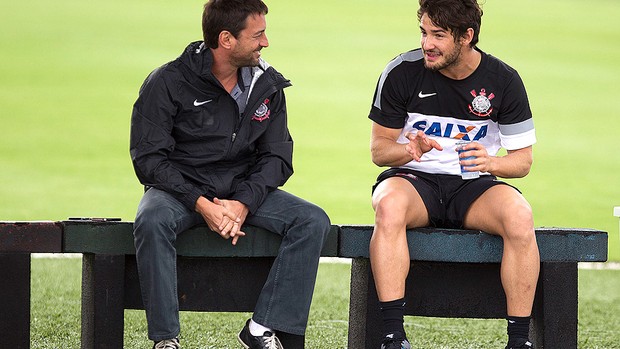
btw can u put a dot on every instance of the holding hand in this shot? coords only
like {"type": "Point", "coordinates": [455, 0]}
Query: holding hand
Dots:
{"type": "Point", "coordinates": [224, 217]}
{"type": "Point", "coordinates": [240, 211]}
{"type": "Point", "coordinates": [481, 161]}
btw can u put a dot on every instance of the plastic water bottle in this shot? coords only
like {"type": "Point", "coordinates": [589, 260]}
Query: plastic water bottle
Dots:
{"type": "Point", "coordinates": [465, 174]}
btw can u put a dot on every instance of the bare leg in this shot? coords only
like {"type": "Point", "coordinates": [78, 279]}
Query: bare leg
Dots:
{"type": "Point", "coordinates": [397, 206]}
{"type": "Point", "coordinates": [503, 211]}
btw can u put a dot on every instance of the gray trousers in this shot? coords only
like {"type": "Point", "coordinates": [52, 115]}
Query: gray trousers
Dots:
{"type": "Point", "coordinates": [284, 302]}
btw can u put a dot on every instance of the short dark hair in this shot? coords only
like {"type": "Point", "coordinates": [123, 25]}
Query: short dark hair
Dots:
{"type": "Point", "coordinates": [229, 15]}
{"type": "Point", "coordinates": [454, 15]}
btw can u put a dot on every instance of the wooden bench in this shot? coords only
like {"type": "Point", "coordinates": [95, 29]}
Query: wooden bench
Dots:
{"type": "Point", "coordinates": [455, 273]}
{"type": "Point", "coordinates": [17, 241]}
{"type": "Point", "coordinates": [449, 267]}
{"type": "Point", "coordinates": [212, 275]}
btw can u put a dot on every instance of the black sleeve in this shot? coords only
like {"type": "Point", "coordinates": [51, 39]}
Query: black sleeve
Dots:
{"type": "Point", "coordinates": [516, 107]}
{"type": "Point", "coordinates": [274, 163]}
{"type": "Point", "coordinates": [151, 141]}
{"type": "Point", "coordinates": [389, 106]}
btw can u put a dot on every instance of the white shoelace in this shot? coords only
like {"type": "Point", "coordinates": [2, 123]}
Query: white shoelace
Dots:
{"type": "Point", "coordinates": [272, 342]}
{"type": "Point", "coordinates": [168, 344]}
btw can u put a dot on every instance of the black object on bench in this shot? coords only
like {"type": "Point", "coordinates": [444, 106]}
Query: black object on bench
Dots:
{"type": "Point", "coordinates": [455, 273]}
{"type": "Point", "coordinates": [212, 274]}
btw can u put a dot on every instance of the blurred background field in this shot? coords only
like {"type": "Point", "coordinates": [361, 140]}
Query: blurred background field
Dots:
{"type": "Point", "coordinates": [71, 70]}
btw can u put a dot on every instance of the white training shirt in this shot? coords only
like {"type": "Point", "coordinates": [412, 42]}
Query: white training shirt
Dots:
{"type": "Point", "coordinates": [490, 107]}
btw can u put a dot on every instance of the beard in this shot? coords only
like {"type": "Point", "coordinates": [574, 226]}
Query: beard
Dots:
{"type": "Point", "coordinates": [450, 59]}
{"type": "Point", "coordinates": [246, 60]}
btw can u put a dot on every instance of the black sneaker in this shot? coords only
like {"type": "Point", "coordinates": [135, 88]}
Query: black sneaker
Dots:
{"type": "Point", "coordinates": [520, 344]}
{"type": "Point", "coordinates": [167, 344]}
{"type": "Point", "coordinates": [395, 341]}
{"type": "Point", "coordinates": [267, 341]}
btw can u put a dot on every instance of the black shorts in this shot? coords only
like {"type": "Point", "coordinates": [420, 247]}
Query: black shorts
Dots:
{"type": "Point", "coordinates": [446, 197]}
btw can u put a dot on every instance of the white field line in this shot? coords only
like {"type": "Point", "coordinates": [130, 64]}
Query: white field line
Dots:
{"type": "Point", "coordinates": [56, 255]}
{"type": "Point", "coordinates": [585, 265]}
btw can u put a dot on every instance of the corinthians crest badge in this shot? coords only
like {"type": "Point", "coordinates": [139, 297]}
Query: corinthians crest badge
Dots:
{"type": "Point", "coordinates": [481, 105]}
{"type": "Point", "coordinates": [262, 113]}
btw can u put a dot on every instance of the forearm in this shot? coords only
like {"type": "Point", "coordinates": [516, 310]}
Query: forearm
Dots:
{"type": "Point", "coordinates": [274, 162]}
{"type": "Point", "coordinates": [160, 174]}
{"type": "Point", "coordinates": [203, 205]}
{"type": "Point", "coordinates": [268, 175]}
{"type": "Point", "coordinates": [150, 144]}
{"type": "Point", "coordinates": [386, 152]}
{"type": "Point", "coordinates": [516, 164]}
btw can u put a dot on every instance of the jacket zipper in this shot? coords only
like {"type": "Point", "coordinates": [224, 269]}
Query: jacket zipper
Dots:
{"type": "Point", "coordinates": [271, 89]}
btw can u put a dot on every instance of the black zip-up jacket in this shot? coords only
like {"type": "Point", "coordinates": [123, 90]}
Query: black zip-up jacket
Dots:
{"type": "Point", "coordinates": [188, 138]}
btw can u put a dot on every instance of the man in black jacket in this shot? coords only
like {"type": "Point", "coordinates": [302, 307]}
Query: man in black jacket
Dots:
{"type": "Point", "coordinates": [209, 140]}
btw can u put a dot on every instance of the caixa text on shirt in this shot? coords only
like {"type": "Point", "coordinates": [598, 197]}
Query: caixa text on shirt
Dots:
{"type": "Point", "coordinates": [450, 130]}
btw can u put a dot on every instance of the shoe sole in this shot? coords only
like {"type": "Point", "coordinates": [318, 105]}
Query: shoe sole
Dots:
{"type": "Point", "coordinates": [241, 341]}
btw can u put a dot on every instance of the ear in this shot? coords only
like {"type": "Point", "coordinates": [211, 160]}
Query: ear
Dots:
{"type": "Point", "coordinates": [467, 37]}
{"type": "Point", "coordinates": [225, 39]}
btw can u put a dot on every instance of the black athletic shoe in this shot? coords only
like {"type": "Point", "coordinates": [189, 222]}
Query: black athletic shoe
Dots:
{"type": "Point", "coordinates": [395, 341]}
{"type": "Point", "coordinates": [267, 341]}
{"type": "Point", "coordinates": [520, 344]}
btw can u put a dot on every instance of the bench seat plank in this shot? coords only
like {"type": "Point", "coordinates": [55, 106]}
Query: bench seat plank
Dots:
{"type": "Point", "coordinates": [116, 238]}
{"type": "Point", "coordinates": [470, 246]}
{"type": "Point", "coordinates": [30, 237]}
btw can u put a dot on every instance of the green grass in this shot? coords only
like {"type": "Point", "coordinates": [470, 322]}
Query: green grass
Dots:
{"type": "Point", "coordinates": [71, 70]}
{"type": "Point", "coordinates": [56, 315]}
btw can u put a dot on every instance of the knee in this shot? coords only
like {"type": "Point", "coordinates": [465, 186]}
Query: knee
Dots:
{"type": "Point", "coordinates": [153, 216]}
{"type": "Point", "coordinates": [308, 225]}
{"type": "Point", "coordinates": [390, 210]}
{"type": "Point", "coordinates": [154, 222]}
{"type": "Point", "coordinates": [317, 219]}
{"type": "Point", "coordinates": [520, 224]}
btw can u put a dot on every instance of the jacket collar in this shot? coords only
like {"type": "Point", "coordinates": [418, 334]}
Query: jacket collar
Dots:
{"type": "Point", "coordinates": [199, 59]}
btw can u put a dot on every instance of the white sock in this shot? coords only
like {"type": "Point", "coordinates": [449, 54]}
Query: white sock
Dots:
{"type": "Point", "coordinates": [258, 329]}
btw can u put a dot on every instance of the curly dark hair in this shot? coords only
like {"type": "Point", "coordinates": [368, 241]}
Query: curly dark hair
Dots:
{"type": "Point", "coordinates": [454, 15]}
{"type": "Point", "coordinates": [229, 15]}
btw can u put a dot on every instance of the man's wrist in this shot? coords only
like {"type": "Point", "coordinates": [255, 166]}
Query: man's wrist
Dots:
{"type": "Point", "coordinates": [201, 204]}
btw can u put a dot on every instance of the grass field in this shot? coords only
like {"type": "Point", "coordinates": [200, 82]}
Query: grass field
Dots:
{"type": "Point", "coordinates": [56, 315]}
{"type": "Point", "coordinates": [71, 70]}
{"type": "Point", "coordinates": [70, 73]}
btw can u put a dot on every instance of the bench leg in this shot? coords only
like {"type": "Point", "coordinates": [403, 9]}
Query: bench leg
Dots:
{"type": "Point", "coordinates": [102, 306]}
{"type": "Point", "coordinates": [364, 313]}
{"type": "Point", "coordinates": [440, 290]}
{"type": "Point", "coordinates": [554, 323]}
{"type": "Point", "coordinates": [15, 299]}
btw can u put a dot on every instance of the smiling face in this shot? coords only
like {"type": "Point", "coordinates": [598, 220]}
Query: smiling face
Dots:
{"type": "Point", "coordinates": [441, 50]}
{"type": "Point", "coordinates": [250, 41]}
